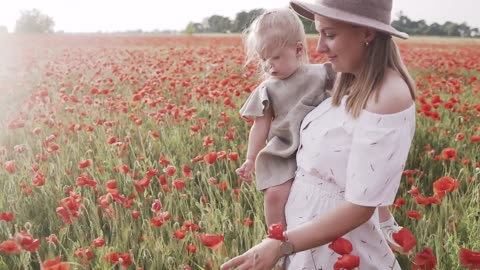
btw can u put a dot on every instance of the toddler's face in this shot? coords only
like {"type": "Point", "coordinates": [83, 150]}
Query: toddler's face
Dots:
{"type": "Point", "coordinates": [280, 63]}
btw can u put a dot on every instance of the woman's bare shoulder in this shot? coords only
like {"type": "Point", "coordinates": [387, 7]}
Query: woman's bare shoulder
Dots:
{"type": "Point", "coordinates": [394, 95]}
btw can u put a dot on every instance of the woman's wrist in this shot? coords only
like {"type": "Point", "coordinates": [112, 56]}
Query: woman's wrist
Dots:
{"type": "Point", "coordinates": [277, 247]}
{"type": "Point", "coordinates": [277, 232]}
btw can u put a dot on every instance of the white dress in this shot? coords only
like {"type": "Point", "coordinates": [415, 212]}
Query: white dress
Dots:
{"type": "Point", "coordinates": [344, 159]}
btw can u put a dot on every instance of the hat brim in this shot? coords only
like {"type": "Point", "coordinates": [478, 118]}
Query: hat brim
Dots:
{"type": "Point", "coordinates": [308, 11]}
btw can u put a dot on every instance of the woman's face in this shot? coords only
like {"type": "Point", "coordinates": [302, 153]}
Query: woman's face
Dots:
{"type": "Point", "coordinates": [343, 43]}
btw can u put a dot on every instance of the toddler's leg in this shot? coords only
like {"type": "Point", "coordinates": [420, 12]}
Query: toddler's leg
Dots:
{"type": "Point", "coordinates": [389, 226]}
{"type": "Point", "coordinates": [274, 203]}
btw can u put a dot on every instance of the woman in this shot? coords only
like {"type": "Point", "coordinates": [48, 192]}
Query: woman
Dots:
{"type": "Point", "coordinates": [353, 146]}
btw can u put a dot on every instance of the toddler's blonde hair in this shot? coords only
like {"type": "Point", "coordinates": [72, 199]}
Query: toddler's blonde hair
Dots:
{"type": "Point", "coordinates": [274, 28]}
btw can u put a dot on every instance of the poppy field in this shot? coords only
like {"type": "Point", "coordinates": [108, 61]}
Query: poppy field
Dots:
{"type": "Point", "coordinates": [119, 152]}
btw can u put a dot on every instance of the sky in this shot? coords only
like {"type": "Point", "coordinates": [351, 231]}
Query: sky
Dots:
{"type": "Point", "coordinates": [121, 15]}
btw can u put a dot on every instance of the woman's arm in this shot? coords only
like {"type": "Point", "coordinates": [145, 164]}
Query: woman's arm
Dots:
{"type": "Point", "coordinates": [320, 231]}
{"type": "Point", "coordinates": [326, 228]}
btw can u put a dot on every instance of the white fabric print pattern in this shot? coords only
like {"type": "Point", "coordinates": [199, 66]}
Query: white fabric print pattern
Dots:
{"type": "Point", "coordinates": [345, 159]}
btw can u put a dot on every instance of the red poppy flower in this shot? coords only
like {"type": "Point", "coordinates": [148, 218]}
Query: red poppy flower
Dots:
{"type": "Point", "coordinates": [414, 214]}
{"type": "Point", "coordinates": [10, 246]}
{"type": "Point", "coordinates": [55, 264]}
{"type": "Point", "coordinates": [191, 248]}
{"type": "Point", "coordinates": [275, 231]}
{"type": "Point", "coordinates": [10, 166]}
{"type": "Point", "coordinates": [460, 136]}
{"type": "Point", "coordinates": [156, 221]}
{"type": "Point", "coordinates": [470, 258]}
{"type": "Point", "coordinates": [85, 180]}
{"type": "Point", "coordinates": [179, 234]}
{"type": "Point", "coordinates": [221, 154]}
{"type": "Point", "coordinates": [84, 253]}
{"type": "Point", "coordinates": [27, 242]}
{"type": "Point", "coordinates": [126, 259]}
{"type": "Point", "coordinates": [475, 138]}
{"type": "Point", "coordinates": [210, 158]}
{"type": "Point", "coordinates": [248, 222]}
{"type": "Point", "coordinates": [399, 202]}
{"type": "Point", "coordinates": [179, 184]}
{"type": "Point", "coordinates": [141, 184]}
{"type": "Point", "coordinates": [341, 246]}
{"type": "Point", "coordinates": [347, 262]}
{"type": "Point", "coordinates": [7, 216]}
{"type": "Point", "coordinates": [151, 172]}
{"type": "Point", "coordinates": [162, 179]}
{"type": "Point", "coordinates": [36, 130]}
{"type": "Point", "coordinates": [424, 260]}
{"type": "Point", "coordinates": [405, 239]}
{"type": "Point", "coordinates": [233, 156]}
{"type": "Point", "coordinates": [229, 136]}
{"type": "Point", "coordinates": [197, 159]}
{"type": "Point", "coordinates": [211, 241]}
{"type": "Point", "coordinates": [449, 154]}
{"type": "Point", "coordinates": [154, 134]}
{"type": "Point", "coordinates": [156, 206]}
{"type": "Point", "coordinates": [84, 164]}
{"type": "Point", "coordinates": [170, 170]}
{"type": "Point", "coordinates": [187, 172]}
{"type": "Point", "coordinates": [98, 242]}
{"type": "Point", "coordinates": [422, 200]}
{"type": "Point", "coordinates": [223, 186]}
{"type": "Point", "coordinates": [465, 161]}
{"type": "Point", "coordinates": [164, 216]}
{"type": "Point", "coordinates": [111, 257]}
{"type": "Point", "coordinates": [51, 239]}
{"type": "Point", "coordinates": [111, 184]}
{"type": "Point", "coordinates": [195, 128]}
{"type": "Point", "coordinates": [135, 214]}
{"type": "Point", "coordinates": [207, 141]}
{"type": "Point", "coordinates": [113, 140]}
{"type": "Point", "coordinates": [445, 184]}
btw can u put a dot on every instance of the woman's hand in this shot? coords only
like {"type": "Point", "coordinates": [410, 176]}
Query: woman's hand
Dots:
{"type": "Point", "coordinates": [263, 256]}
{"type": "Point", "coordinates": [245, 171]}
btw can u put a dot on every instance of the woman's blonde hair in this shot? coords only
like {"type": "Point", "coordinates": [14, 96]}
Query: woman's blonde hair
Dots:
{"type": "Point", "coordinates": [382, 53]}
{"type": "Point", "coordinates": [274, 28]}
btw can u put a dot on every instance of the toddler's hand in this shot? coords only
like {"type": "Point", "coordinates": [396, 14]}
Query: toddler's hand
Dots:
{"type": "Point", "coordinates": [245, 171]}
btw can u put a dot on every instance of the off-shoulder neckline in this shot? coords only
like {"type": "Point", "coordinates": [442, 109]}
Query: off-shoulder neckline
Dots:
{"type": "Point", "coordinates": [364, 111]}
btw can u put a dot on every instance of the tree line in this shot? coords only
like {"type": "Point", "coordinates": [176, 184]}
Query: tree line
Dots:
{"type": "Point", "coordinates": [221, 24]}
{"type": "Point", "coordinates": [34, 21]}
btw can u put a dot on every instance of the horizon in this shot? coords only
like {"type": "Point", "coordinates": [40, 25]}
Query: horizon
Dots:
{"type": "Point", "coordinates": [148, 15]}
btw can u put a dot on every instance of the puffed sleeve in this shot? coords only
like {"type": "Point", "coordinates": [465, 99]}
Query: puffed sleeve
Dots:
{"type": "Point", "coordinates": [257, 103]}
{"type": "Point", "coordinates": [379, 150]}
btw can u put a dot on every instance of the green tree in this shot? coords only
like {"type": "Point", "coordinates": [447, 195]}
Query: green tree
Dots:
{"type": "Point", "coordinates": [240, 22]}
{"type": "Point", "coordinates": [435, 29]}
{"type": "Point", "coordinates": [474, 32]}
{"type": "Point", "coordinates": [33, 21]}
{"type": "Point", "coordinates": [464, 30]}
{"type": "Point", "coordinates": [243, 19]}
{"type": "Point", "coordinates": [451, 29]}
{"type": "Point", "coordinates": [190, 29]}
{"type": "Point", "coordinates": [219, 24]}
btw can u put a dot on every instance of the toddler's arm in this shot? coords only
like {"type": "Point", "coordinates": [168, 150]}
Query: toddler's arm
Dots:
{"type": "Point", "coordinates": [256, 141]}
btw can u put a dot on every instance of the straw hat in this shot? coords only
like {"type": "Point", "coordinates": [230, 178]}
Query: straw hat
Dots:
{"type": "Point", "coordinates": [371, 13]}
